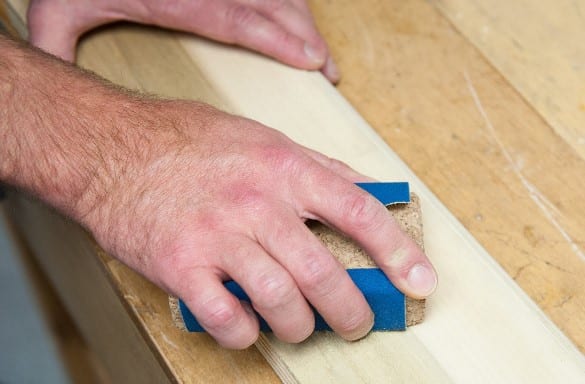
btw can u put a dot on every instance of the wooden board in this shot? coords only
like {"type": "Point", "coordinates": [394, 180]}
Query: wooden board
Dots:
{"type": "Point", "coordinates": [545, 62]}
{"type": "Point", "coordinates": [514, 183]}
{"type": "Point", "coordinates": [460, 326]}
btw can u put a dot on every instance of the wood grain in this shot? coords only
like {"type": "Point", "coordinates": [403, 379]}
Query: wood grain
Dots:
{"type": "Point", "coordinates": [12, 16]}
{"type": "Point", "coordinates": [542, 60]}
{"type": "Point", "coordinates": [5, 23]}
{"type": "Point", "coordinates": [514, 183]}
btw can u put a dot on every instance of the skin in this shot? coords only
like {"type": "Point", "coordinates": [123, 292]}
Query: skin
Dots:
{"type": "Point", "coordinates": [186, 195]}
{"type": "Point", "coordinates": [282, 29]}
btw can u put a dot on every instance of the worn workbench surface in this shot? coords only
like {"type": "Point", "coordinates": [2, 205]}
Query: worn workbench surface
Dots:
{"type": "Point", "coordinates": [490, 142]}
{"type": "Point", "coordinates": [480, 99]}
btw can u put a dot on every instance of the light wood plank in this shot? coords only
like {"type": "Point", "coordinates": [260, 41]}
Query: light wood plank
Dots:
{"type": "Point", "coordinates": [538, 47]}
{"type": "Point", "coordinates": [5, 24]}
{"type": "Point", "coordinates": [11, 17]}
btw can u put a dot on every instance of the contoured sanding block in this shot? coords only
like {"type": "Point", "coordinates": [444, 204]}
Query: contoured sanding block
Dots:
{"type": "Point", "coordinates": [392, 310]}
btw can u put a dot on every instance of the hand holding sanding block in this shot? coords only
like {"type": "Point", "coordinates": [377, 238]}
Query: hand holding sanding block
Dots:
{"type": "Point", "coordinates": [392, 310]}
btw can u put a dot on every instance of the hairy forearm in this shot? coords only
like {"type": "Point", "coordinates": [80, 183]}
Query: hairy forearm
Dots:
{"type": "Point", "coordinates": [64, 134]}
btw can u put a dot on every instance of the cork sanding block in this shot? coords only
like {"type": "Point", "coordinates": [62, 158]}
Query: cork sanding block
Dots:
{"type": "Point", "coordinates": [392, 310]}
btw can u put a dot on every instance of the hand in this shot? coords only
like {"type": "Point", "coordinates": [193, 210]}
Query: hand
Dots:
{"type": "Point", "coordinates": [190, 196]}
{"type": "Point", "coordinates": [282, 29]}
{"type": "Point", "coordinates": [202, 196]}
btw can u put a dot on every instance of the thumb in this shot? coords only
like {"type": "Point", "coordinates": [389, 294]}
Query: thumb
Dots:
{"type": "Point", "coordinates": [60, 41]}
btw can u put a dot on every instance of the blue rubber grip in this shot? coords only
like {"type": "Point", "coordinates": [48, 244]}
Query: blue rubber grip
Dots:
{"type": "Point", "coordinates": [387, 302]}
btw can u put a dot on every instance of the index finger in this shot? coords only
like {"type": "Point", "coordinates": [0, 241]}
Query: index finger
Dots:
{"type": "Point", "coordinates": [359, 215]}
{"type": "Point", "coordinates": [297, 20]}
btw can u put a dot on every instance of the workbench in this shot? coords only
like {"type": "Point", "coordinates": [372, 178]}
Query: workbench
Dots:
{"type": "Point", "coordinates": [485, 102]}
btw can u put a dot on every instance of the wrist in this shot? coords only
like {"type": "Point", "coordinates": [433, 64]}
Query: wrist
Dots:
{"type": "Point", "coordinates": [56, 128]}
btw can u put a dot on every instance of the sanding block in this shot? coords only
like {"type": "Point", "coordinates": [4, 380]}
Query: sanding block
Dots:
{"type": "Point", "coordinates": [392, 310]}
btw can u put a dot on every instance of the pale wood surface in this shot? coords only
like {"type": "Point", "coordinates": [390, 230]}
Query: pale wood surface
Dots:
{"type": "Point", "coordinates": [428, 82]}
{"type": "Point", "coordinates": [538, 47]}
{"type": "Point", "coordinates": [514, 183]}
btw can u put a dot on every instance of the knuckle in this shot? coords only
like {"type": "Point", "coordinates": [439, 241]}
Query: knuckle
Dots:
{"type": "Point", "coordinates": [174, 267]}
{"type": "Point", "coordinates": [399, 261]}
{"type": "Point", "coordinates": [241, 16]}
{"type": "Point", "coordinates": [274, 290]}
{"type": "Point", "coordinates": [363, 212]}
{"type": "Point", "coordinates": [219, 313]}
{"type": "Point", "coordinates": [282, 158]}
{"type": "Point", "coordinates": [317, 274]}
{"type": "Point", "coordinates": [277, 232]}
{"type": "Point", "coordinates": [275, 6]}
{"type": "Point", "coordinates": [284, 40]}
{"type": "Point", "coordinates": [243, 194]}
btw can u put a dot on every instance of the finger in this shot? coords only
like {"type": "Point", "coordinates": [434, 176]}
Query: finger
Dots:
{"type": "Point", "coordinates": [219, 312]}
{"type": "Point", "coordinates": [272, 290]}
{"type": "Point", "coordinates": [287, 15]}
{"type": "Point", "coordinates": [331, 71]}
{"type": "Point", "coordinates": [49, 32]}
{"type": "Point", "coordinates": [320, 277]}
{"type": "Point", "coordinates": [302, 6]}
{"type": "Point", "coordinates": [55, 26]}
{"type": "Point", "coordinates": [337, 166]}
{"type": "Point", "coordinates": [299, 23]}
{"type": "Point", "coordinates": [238, 23]}
{"type": "Point", "coordinates": [363, 218]}
{"type": "Point", "coordinates": [253, 30]}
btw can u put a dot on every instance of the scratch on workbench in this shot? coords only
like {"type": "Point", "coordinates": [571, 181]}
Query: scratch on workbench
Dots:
{"type": "Point", "coordinates": [547, 208]}
{"type": "Point", "coordinates": [168, 341]}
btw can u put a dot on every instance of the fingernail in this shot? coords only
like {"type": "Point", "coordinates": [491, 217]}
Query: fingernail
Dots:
{"type": "Point", "coordinates": [422, 280]}
{"type": "Point", "coordinates": [313, 54]}
{"type": "Point", "coordinates": [332, 72]}
{"type": "Point", "coordinates": [361, 332]}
